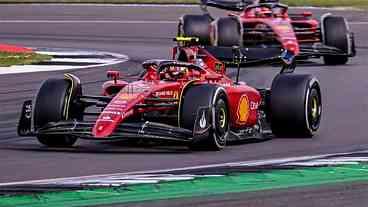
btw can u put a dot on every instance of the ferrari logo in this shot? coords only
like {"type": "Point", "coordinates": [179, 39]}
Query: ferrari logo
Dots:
{"type": "Point", "coordinates": [243, 109]}
{"type": "Point", "coordinates": [218, 67]}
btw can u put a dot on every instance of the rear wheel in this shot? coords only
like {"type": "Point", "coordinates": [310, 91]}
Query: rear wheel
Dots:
{"type": "Point", "coordinates": [196, 26]}
{"type": "Point", "coordinates": [296, 105]}
{"type": "Point", "coordinates": [206, 96]}
{"type": "Point", "coordinates": [227, 32]}
{"type": "Point", "coordinates": [55, 101]}
{"type": "Point", "coordinates": [335, 33]}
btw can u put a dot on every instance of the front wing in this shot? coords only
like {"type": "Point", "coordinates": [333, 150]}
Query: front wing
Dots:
{"type": "Point", "coordinates": [132, 130]}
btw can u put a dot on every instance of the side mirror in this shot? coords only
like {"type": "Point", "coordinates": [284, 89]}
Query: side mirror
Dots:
{"type": "Point", "coordinates": [113, 75]}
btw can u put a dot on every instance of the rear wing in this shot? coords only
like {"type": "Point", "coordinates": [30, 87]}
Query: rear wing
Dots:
{"type": "Point", "coordinates": [248, 56]}
{"type": "Point", "coordinates": [240, 5]}
{"type": "Point", "coordinates": [243, 57]}
{"type": "Point", "coordinates": [226, 5]}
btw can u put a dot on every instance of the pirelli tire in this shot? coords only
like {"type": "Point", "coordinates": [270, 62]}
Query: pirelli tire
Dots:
{"type": "Point", "coordinates": [207, 96]}
{"type": "Point", "coordinates": [295, 105]}
{"type": "Point", "coordinates": [227, 32]}
{"type": "Point", "coordinates": [55, 101]}
{"type": "Point", "coordinates": [335, 33]}
{"type": "Point", "coordinates": [196, 26]}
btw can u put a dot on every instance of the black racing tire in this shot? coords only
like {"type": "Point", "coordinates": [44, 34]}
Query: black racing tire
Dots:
{"type": "Point", "coordinates": [335, 33]}
{"type": "Point", "coordinates": [51, 106]}
{"type": "Point", "coordinates": [196, 26]}
{"type": "Point", "coordinates": [295, 105]}
{"type": "Point", "coordinates": [206, 95]}
{"type": "Point", "coordinates": [227, 32]}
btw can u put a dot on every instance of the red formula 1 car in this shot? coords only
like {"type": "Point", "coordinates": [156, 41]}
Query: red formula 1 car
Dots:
{"type": "Point", "coordinates": [189, 99]}
{"type": "Point", "coordinates": [264, 27]}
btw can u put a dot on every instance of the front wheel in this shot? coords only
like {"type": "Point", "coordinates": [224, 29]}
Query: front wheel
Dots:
{"type": "Point", "coordinates": [206, 96]}
{"type": "Point", "coordinates": [335, 33]}
{"type": "Point", "coordinates": [55, 101]}
{"type": "Point", "coordinates": [296, 105]}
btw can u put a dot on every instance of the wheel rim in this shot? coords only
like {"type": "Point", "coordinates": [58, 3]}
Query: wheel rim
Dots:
{"type": "Point", "coordinates": [221, 121]}
{"type": "Point", "coordinates": [314, 109]}
{"type": "Point", "coordinates": [222, 118]}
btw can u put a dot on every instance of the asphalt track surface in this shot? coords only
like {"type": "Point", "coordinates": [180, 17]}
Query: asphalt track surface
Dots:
{"type": "Point", "coordinates": [144, 33]}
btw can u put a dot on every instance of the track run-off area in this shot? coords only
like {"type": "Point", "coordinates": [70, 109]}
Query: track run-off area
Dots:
{"type": "Point", "coordinates": [146, 32]}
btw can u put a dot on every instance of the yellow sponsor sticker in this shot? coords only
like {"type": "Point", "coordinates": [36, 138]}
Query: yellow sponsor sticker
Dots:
{"type": "Point", "coordinates": [283, 27]}
{"type": "Point", "coordinates": [176, 95]}
{"type": "Point", "coordinates": [128, 96]}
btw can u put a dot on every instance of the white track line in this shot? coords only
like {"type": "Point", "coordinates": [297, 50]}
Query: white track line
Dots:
{"type": "Point", "coordinates": [83, 60]}
{"type": "Point", "coordinates": [73, 52]}
{"type": "Point", "coordinates": [44, 68]}
{"type": "Point", "coordinates": [245, 163]}
{"type": "Point", "coordinates": [114, 59]}
{"type": "Point", "coordinates": [358, 23]}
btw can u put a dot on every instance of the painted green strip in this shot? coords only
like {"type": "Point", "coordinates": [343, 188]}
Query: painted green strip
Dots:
{"type": "Point", "coordinates": [238, 182]}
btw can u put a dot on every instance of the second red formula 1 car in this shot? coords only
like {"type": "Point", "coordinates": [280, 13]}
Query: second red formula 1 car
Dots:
{"type": "Point", "coordinates": [264, 27]}
{"type": "Point", "coordinates": [188, 99]}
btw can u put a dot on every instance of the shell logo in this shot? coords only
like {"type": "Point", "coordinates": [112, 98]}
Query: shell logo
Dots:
{"type": "Point", "coordinates": [243, 109]}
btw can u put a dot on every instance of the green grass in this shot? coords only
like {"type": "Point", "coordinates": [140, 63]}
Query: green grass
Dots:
{"type": "Point", "coordinates": [9, 59]}
{"type": "Point", "coordinates": [327, 3]}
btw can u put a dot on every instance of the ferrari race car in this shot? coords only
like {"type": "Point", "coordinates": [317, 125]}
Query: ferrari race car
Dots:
{"type": "Point", "coordinates": [188, 99]}
{"type": "Point", "coordinates": [264, 27]}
